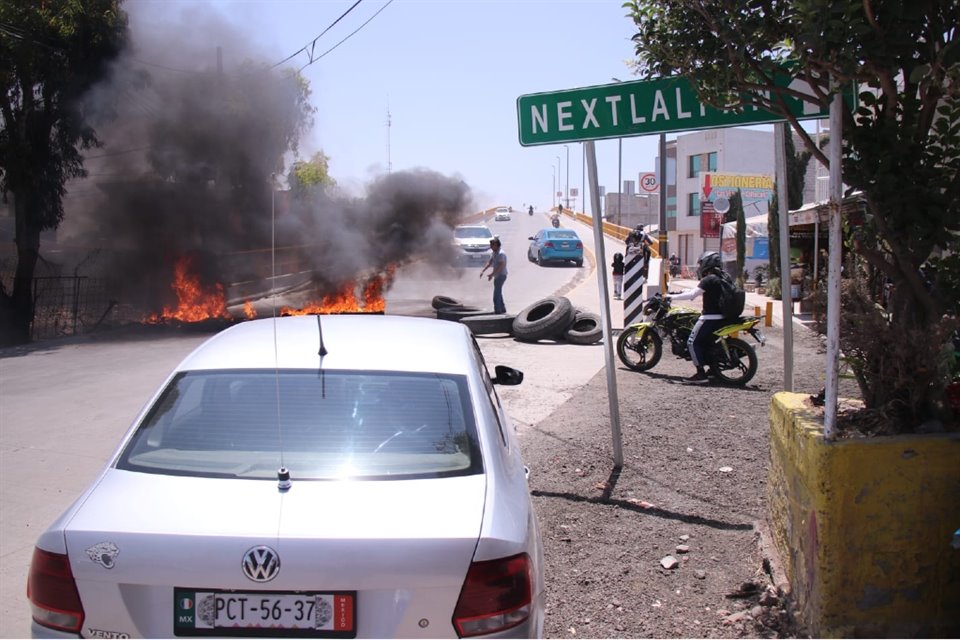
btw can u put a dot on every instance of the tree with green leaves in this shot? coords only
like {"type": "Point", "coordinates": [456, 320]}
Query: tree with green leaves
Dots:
{"type": "Point", "coordinates": [741, 238]}
{"type": "Point", "coordinates": [306, 174]}
{"type": "Point", "coordinates": [796, 173]}
{"type": "Point", "coordinates": [773, 244]}
{"type": "Point", "coordinates": [901, 139]}
{"type": "Point", "coordinates": [736, 214]}
{"type": "Point", "coordinates": [51, 53]}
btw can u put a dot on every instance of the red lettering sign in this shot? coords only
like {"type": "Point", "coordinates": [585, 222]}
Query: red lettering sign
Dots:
{"type": "Point", "coordinates": [343, 613]}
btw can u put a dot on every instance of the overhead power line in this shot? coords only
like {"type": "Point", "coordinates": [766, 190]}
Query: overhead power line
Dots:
{"type": "Point", "coordinates": [350, 35]}
{"type": "Point", "coordinates": [313, 43]}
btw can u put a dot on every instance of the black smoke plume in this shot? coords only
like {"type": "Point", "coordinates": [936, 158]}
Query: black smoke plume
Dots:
{"type": "Point", "coordinates": [198, 131]}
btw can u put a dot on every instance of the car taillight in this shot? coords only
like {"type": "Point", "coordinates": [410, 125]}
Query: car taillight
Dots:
{"type": "Point", "coordinates": [496, 595]}
{"type": "Point", "coordinates": [52, 592]}
{"type": "Point", "coordinates": [548, 245]}
{"type": "Point", "coordinates": [579, 245]}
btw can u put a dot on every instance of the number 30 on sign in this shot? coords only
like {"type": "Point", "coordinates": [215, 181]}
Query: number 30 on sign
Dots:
{"type": "Point", "coordinates": [648, 182]}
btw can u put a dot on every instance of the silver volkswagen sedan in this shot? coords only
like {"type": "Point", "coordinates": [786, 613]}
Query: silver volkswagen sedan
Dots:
{"type": "Point", "coordinates": [312, 476]}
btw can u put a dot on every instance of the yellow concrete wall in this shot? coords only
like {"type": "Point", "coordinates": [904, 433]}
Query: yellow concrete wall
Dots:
{"type": "Point", "coordinates": [864, 526]}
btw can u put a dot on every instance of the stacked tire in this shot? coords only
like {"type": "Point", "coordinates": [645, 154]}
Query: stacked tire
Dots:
{"type": "Point", "coordinates": [586, 328]}
{"type": "Point", "coordinates": [479, 321]}
{"type": "Point", "coordinates": [555, 318]}
{"type": "Point", "coordinates": [550, 318]}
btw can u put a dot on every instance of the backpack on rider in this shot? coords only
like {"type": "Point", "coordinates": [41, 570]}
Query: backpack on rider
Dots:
{"type": "Point", "coordinates": [732, 297]}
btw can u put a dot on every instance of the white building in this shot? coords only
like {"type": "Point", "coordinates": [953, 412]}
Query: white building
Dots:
{"type": "Point", "coordinates": [728, 151]}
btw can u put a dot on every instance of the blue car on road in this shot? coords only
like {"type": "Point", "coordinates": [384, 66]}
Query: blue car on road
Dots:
{"type": "Point", "coordinates": [555, 244]}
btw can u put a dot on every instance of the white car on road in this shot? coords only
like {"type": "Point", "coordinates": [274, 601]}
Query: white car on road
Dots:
{"type": "Point", "coordinates": [319, 476]}
{"type": "Point", "coordinates": [501, 214]}
{"type": "Point", "coordinates": [472, 244]}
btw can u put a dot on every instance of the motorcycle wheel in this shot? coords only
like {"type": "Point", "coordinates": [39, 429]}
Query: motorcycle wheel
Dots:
{"type": "Point", "coordinates": [737, 369]}
{"type": "Point", "coordinates": [639, 353]}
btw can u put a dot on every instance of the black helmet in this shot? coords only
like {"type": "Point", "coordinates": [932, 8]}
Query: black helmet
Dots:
{"type": "Point", "coordinates": [709, 261]}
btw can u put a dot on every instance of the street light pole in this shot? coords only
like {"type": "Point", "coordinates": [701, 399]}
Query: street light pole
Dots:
{"type": "Point", "coordinates": [553, 194]}
{"type": "Point", "coordinates": [567, 194]}
{"type": "Point", "coordinates": [619, 175]}
{"type": "Point", "coordinates": [583, 178]}
{"type": "Point", "coordinates": [620, 182]}
{"type": "Point", "coordinates": [559, 166]}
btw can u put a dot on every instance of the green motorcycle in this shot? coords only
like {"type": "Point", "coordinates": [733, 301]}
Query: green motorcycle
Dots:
{"type": "Point", "coordinates": [730, 359]}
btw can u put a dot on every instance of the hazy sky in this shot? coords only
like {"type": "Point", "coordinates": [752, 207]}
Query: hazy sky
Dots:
{"type": "Point", "coordinates": [450, 73]}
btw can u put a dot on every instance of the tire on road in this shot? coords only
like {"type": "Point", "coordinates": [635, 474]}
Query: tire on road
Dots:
{"type": "Point", "coordinates": [442, 302]}
{"type": "Point", "coordinates": [547, 318]}
{"type": "Point", "coordinates": [586, 328]}
{"type": "Point", "coordinates": [487, 324]}
{"type": "Point", "coordinates": [455, 314]}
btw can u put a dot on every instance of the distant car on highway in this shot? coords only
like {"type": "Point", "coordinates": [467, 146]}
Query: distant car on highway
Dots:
{"type": "Point", "coordinates": [502, 213]}
{"type": "Point", "coordinates": [472, 244]}
{"type": "Point", "coordinates": [350, 476]}
{"type": "Point", "coordinates": [550, 245]}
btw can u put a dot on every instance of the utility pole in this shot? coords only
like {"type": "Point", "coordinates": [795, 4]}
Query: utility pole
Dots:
{"type": "Point", "coordinates": [567, 189]}
{"type": "Point", "coordinates": [662, 231]}
{"type": "Point", "coordinates": [389, 163]}
{"type": "Point", "coordinates": [553, 193]}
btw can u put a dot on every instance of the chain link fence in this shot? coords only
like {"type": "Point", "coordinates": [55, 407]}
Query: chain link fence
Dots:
{"type": "Point", "coordinates": [70, 305]}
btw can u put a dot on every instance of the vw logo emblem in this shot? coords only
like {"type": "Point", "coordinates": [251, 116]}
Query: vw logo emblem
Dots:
{"type": "Point", "coordinates": [261, 564]}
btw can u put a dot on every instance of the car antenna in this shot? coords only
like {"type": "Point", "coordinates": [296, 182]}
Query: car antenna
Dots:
{"type": "Point", "coordinates": [323, 349]}
{"type": "Point", "coordinates": [283, 474]}
{"type": "Point", "coordinates": [322, 352]}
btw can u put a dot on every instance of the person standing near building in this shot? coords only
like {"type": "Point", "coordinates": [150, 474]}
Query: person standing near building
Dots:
{"type": "Point", "coordinates": [498, 264]}
{"type": "Point", "coordinates": [617, 275]}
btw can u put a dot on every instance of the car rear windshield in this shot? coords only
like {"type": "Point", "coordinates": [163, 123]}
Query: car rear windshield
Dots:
{"type": "Point", "coordinates": [563, 235]}
{"type": "Point", "coordinates": [472, 232]}
{"type": "Point", "coordinates": [318, 424]}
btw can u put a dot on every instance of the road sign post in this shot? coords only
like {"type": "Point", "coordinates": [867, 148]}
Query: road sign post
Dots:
{"type": "Point", "coordinates": [637, 108]}
{"type": "Point", "coordinates": [644, 107]}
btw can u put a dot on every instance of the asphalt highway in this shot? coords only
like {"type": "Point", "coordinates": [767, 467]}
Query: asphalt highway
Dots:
{"type": "Point", "coordinates": [64, 405]}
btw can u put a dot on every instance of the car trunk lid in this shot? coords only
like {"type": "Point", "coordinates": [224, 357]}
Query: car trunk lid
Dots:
{"type": "Point", "coordinates": [398, 549]}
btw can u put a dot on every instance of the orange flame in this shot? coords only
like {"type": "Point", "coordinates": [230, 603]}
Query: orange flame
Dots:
{"type": "Point", "coordinates": [248, 311]}
{"type": "Point", "coordinates": [346, 299]}
{"type": "Point", "coordinates": [195, 302]}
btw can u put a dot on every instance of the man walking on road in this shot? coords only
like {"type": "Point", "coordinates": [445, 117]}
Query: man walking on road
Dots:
{"type": "Point", "coordinates": [498, 261]}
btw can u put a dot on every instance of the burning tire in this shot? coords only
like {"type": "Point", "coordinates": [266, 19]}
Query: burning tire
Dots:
{"type": "Point", "coordinates": [442, 302]}
{"type": "Point", "coordinates": [547, 318]}
{"type": "Point", "coordinates": [457, 313]}
{"type": "Point", "coordinates": [487, 324]}
{"type": "Point", "coordinates": [586, 328]}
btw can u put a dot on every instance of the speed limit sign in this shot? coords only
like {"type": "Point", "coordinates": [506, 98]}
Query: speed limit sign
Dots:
{"type": "Point", "coordinates": [648, 182]}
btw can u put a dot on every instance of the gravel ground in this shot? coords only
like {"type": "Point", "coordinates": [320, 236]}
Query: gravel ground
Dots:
{"type": "Point", "coordinates": [692, 488]}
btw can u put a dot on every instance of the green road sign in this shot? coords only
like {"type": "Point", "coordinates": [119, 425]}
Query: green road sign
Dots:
{"type": "Point", "coordinates": [635, 108]}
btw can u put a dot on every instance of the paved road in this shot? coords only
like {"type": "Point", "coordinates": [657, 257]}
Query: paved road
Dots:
{"type": "Point", "coordinates": [65, 405]}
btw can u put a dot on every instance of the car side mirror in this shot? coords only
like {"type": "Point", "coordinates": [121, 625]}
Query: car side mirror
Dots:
{"type": "Point", "coordinates": [530, 238]}
{"type": "Point", "coordinates": [507, 376]}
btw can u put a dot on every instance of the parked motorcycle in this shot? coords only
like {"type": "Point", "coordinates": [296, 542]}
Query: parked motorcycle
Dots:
{"type": "Point", "coordinates": [730, 359]}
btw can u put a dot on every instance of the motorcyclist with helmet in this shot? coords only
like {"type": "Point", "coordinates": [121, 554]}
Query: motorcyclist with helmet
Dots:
{"type": "Point", "coordinates": [531, 209]}
{"type": "Point", "coordinates": [710, 271]}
